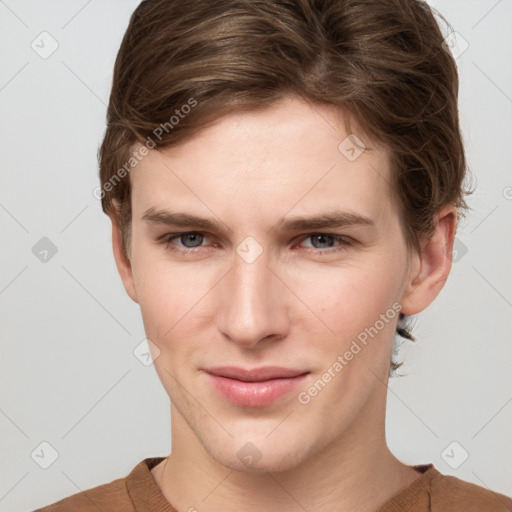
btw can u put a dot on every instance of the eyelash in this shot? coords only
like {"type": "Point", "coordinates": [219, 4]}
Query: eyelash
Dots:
{"type": "Point", "coordinates": [342, 240]}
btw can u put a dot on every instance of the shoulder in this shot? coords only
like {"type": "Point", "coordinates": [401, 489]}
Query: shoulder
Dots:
{"type": "Point", "coordinates": [449, 494]}
{"type": "Point", "coordinates": [110, 496]}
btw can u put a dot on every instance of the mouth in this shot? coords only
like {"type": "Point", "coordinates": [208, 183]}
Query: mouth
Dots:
{"type": "Point", "coordinates": [257, 387]}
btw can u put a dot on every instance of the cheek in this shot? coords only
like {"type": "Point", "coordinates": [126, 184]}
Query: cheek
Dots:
{"type": "Point", "coordinates": [177, 300]}
{"type": "Point", "coordinates": [350, 298]}
{"type": "Point", "coordinates": [173, 297]}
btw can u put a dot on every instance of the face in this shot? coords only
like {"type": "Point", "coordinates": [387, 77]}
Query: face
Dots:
{"type": "Point", "coordinates": [263, 285]}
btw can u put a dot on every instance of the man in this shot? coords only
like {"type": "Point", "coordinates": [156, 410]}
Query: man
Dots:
{"type": "Point", "coordinates": [284, 181]}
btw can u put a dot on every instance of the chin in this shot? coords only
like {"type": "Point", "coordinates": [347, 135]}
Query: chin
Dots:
{"type": "Point", "coordinates": [249, 458]}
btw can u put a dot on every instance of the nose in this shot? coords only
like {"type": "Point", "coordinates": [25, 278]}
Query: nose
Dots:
{"type": "Point", "coordinates": [253, 307]}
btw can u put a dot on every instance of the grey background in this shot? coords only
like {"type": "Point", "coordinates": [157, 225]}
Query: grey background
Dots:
{"type": "Point", "coordinates": [68, 330]}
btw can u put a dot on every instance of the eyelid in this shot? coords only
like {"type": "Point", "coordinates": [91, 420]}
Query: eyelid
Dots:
{"type": "Point", "coordinates": [343, 241]}
{"type": "Point", "coordinates": [168, 238]}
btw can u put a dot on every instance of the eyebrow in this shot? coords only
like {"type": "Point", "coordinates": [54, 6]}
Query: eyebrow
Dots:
{"type": "Point", "coordinates": [334, 219]}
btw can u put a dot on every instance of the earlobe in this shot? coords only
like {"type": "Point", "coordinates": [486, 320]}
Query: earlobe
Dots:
{"type": "Point", "coordinates": [124, 266]}
{"type": "Point", "coordinates": [432, 264]}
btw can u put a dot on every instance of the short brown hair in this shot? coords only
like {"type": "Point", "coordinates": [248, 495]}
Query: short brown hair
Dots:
{"type": "Point", "coordinates": [382, 62]}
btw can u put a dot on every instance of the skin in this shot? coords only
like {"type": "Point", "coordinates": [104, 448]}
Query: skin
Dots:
{"type": "Point", "coordinates": [290, 307]}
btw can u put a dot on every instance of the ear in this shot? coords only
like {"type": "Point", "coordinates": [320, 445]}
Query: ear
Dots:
{"type": "Point", "coordinates": [431, 266]}
{"type": "Point", "coordinates": [123, 264]}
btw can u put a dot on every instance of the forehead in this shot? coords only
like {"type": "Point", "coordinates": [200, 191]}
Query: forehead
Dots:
{"type": "Point", "coordinates": [291, 155]}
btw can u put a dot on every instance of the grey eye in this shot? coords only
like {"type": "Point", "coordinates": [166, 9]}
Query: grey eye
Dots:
{"type": "Point", "coordinates": [196, 239]}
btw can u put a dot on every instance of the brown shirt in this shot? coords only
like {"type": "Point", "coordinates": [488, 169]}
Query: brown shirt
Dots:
{"type": "Point", "coordinates": [431, 492]}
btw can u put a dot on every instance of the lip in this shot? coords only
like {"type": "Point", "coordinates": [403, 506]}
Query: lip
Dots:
{"type": "Point", "coordinates": [258, 387]}
{"type": "Point", "coordinates": [256, 374]}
